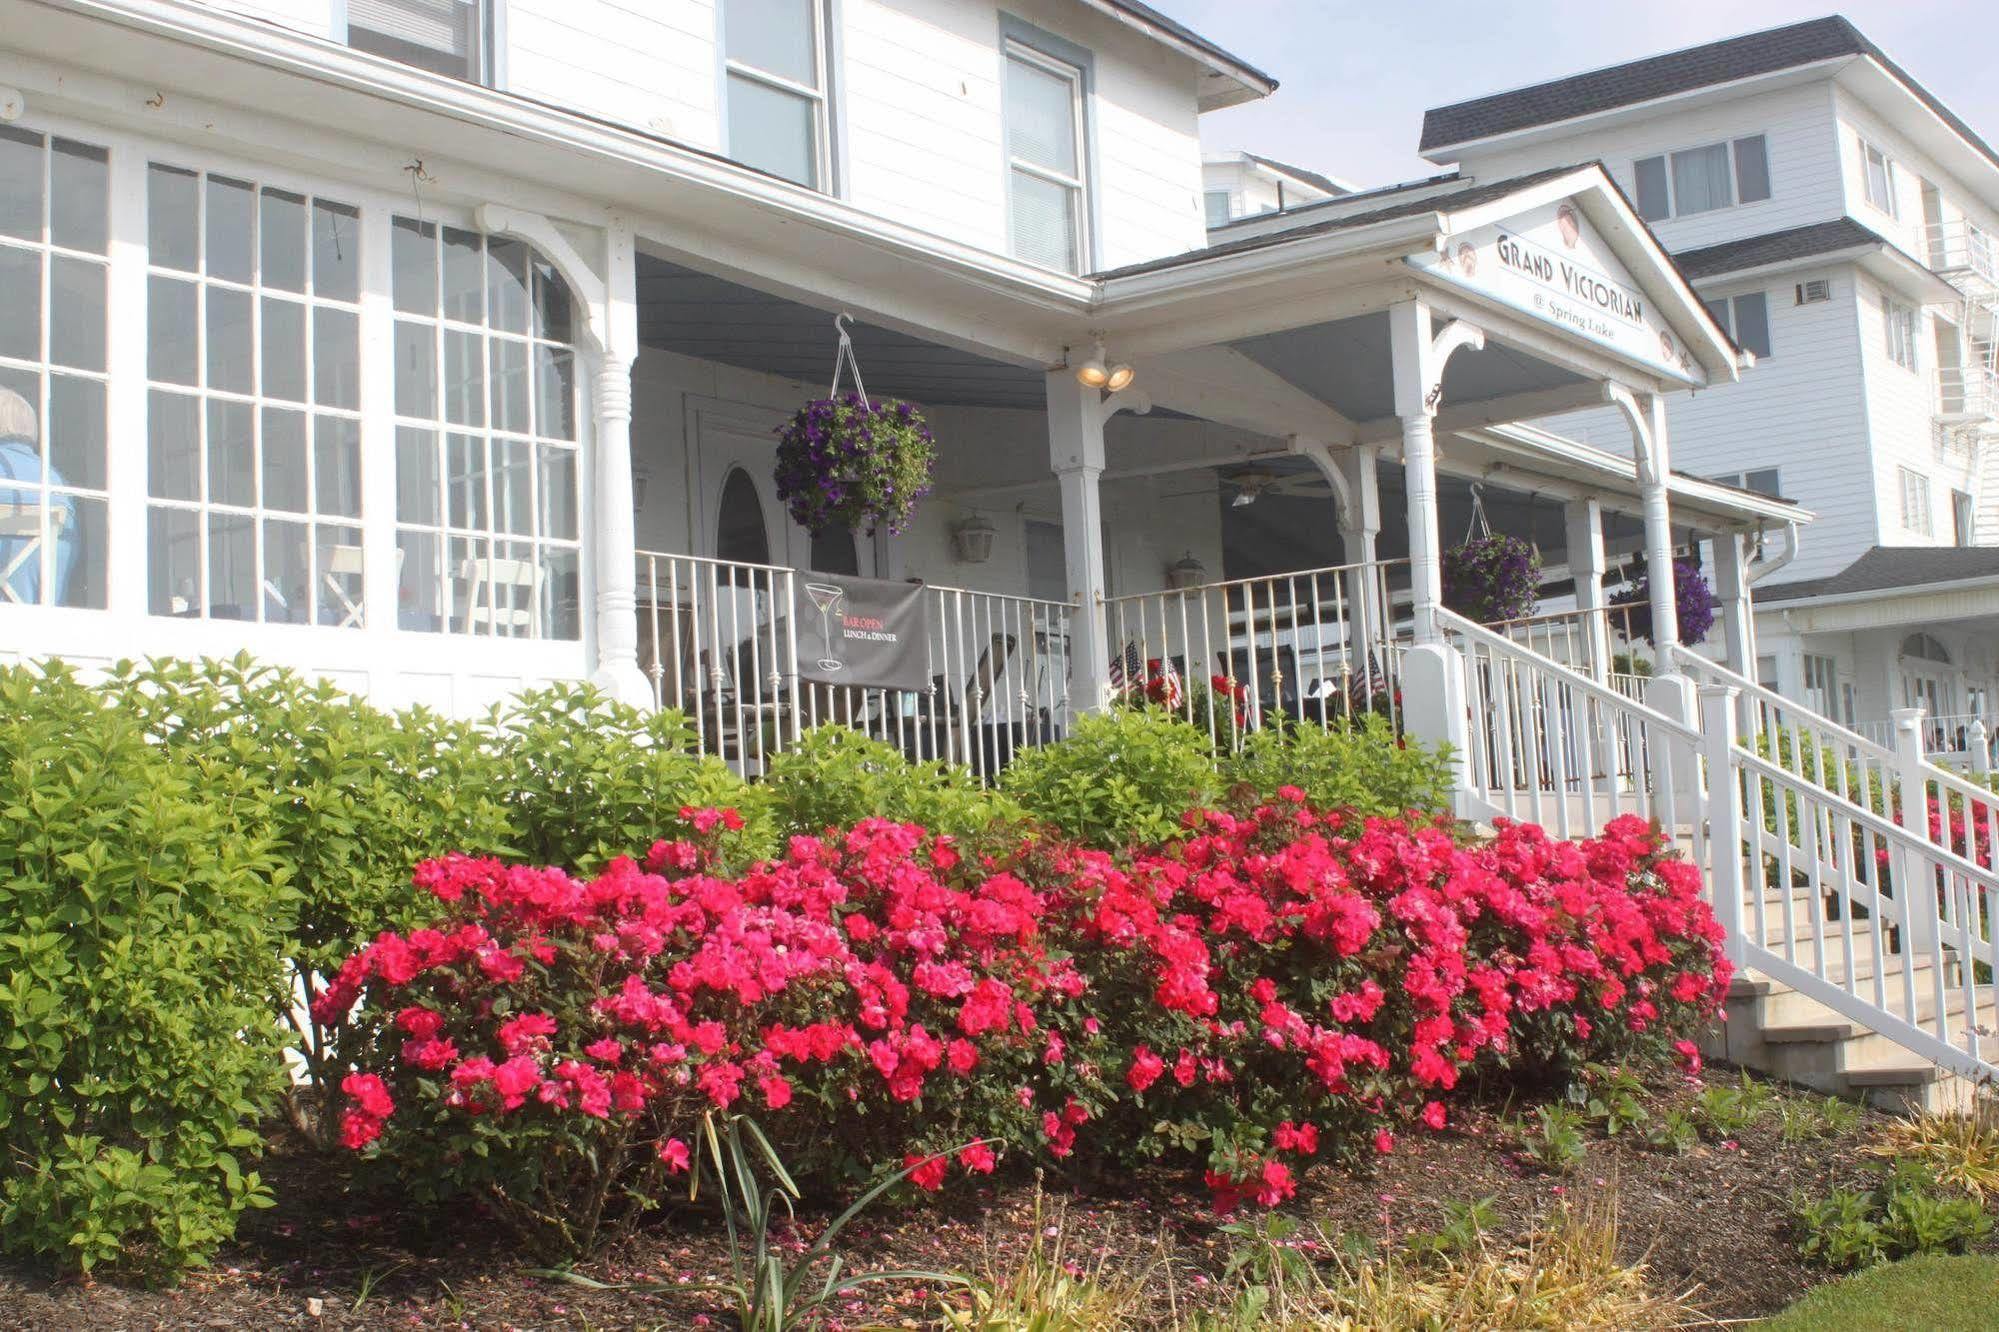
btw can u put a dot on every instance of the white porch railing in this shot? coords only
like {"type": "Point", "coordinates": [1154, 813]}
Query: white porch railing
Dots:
{"type": "Point", "coordinates": [1317, 647]}
{"type": "Point", "coordinates": [717, 640]}
{"type": "Point", "coordinates": [1960, 737]}
{"type": "Point", "coordinates": [1595, 642]}
{"type": "Point", "coordinates": [1547, 744]}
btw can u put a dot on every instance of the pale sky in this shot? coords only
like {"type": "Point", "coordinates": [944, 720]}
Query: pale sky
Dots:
{"type": "Point", "coordinates": [1357, 77]}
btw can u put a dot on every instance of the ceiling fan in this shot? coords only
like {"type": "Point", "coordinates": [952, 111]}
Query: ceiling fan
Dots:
{"type": "Point", "coordinates": [1251, 484]}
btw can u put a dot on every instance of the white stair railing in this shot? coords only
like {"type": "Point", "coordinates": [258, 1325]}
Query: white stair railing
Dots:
{"type": "Point", "coordinates": [1841, 902]}
{"type": "Point", "coordinates": [1548, 745]}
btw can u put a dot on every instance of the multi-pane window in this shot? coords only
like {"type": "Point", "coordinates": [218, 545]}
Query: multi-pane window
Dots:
{"type": "Point", "coordinates": [253, 366]}
{"type": "Point", "coordinates": [774, 59]}
{"type": "Point", "coordinates": [54, 234]}
{"type": "Point", "coordinates": [452, 37]}
{"type": "Point", "coordinates": [1878, 172]}
{"type": "Point", "coordinates": [1700, 180]}
{"type": "Point", "coordinates": [1047, 167]}
{"type": "Point", "coordinates": [1746, 318]}
{"type": "Point", "coordinates": [1899, 322]}
{"type": "Point", "coordinates": [486, 456]}
{"type": "Point", "coordinates": [1821, 683]}
{"type": "Point", "coordinates": [1915, 502]}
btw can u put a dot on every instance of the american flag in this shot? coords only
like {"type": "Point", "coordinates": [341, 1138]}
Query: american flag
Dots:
{"type": "Point", "coordinates": [1127, 668]}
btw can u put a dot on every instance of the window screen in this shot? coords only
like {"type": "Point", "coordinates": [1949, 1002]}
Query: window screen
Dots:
{"type": "Point", "coordinates": [447, 36]}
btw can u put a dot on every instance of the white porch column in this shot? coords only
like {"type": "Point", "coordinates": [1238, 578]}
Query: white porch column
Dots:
{"type": "Point", "coordinates": [1587, 564]}
{"type": "Point", "coordinates": [1671, 692]}
{"type": "Point", "coordinates": [1076, 452]}
{"type": "Point", "coordinates": [617, 672]}
{"type": "Point", "coordinates": [1433, 681]}
{"type": "Point", "coordinates": [1738, 618]}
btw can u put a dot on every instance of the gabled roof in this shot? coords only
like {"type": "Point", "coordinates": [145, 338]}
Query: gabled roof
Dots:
{"type": "Point", "coordinates": [1887, 569]}
{"type": "Point", "coordinates": [1324, 217]}
{"type": "Point", "coordinates": [1729, 61]}
{"type": "Point", "coordinates": [1776, 247]}
{"type": "Point", "coordinates": [1316, 180]}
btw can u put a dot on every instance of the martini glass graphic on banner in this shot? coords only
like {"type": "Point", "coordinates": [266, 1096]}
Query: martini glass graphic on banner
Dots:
{"type": "Point", "coordinates": [827, 598]}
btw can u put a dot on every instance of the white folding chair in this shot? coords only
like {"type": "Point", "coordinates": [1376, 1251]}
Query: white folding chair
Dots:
{"type": "Point", "coordinates": [344, 562]}
{"type": "Point", "coordinates": [503, 595]}
{"type": "Point", "coordinates": [21, 520]}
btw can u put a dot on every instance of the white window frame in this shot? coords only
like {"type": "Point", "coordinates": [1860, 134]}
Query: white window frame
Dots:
{"type": "Point", "coordinates": [1014, 48]}
{"type": "Point", "coordinates": [1665, 159]}
{"type": "Point", "coordinates": [1742, 480]}
{"type": "Point", "coordinates": [333, 598]}
{"type": "Point", "coordinates": [823, 130]}
{"type": "Point", "coordinates": [1869, 156]}
{"type": "Point", "coordinates": [1726, 318]}
{"type": "Point", "coordinates": [1898, 323]}
{"type": "Point", "coordinates": [1208, 198]}
{"type": "Point", "coordinates": [487, 33]}
{"type": "Point", "coordinates": [1820, 678]}
{"type": "Point", "coordinates": [1917, 513]}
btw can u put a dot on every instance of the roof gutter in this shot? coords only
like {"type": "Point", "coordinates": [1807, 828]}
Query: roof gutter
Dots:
{"type": "Point", "coordinates": [1885, 593]}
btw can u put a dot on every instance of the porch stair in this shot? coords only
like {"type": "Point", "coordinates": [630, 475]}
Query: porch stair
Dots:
{"type": "Point", "coordinates": [1844, 982]}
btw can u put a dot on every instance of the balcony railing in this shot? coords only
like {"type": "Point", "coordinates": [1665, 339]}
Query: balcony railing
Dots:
{"type": "Point", "coordinates": [1966, 393]}
{"type": "Point", "coordinates": [718, 641]}
{"type": "Point", "coordinates": [1964, 252]}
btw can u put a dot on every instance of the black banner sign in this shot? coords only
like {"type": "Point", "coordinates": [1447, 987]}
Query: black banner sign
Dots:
{"type": "Point", "coordinates": [861, 631]}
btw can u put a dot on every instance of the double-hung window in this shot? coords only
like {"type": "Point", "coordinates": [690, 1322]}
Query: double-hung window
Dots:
{"type": "Point", "coordinates": [54, 243]}
{"type": "Point", "coordinates": [1915, 502]}
{"type": "Point", "coordinates": [1899, 321]}
{"type": "Point", "coordinates": [452, 37]}
{"type": "Point", "coordinates": [1047, 161]}
{"type": "Point", "coordinates": [253, 367]}
{"type": "Point", "coordinates": [1821, 683]}
{"type": "Point", "coordinates": [1762, 480]}
{"type": "Point", "coordinates": [1746, 318]}
{"type": "Point", "coordinates": [1700, 180]}
{"type": "Point", "coordinates": [1878, 172]}
{"type": "Point", "coordinates": [775, 71]}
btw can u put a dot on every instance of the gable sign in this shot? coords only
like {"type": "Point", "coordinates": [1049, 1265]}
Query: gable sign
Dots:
{"type": "Point", "coordinates": [1548, 263]}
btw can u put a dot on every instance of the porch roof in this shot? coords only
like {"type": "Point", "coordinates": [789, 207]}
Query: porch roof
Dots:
{"type": "Point", "coordinates": [1896, 571]}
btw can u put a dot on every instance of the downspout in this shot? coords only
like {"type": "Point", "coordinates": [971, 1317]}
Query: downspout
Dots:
{"type": "Point", "coordinates": [1763, 568]}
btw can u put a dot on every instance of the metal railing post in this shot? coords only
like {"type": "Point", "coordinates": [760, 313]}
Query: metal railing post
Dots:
{"type": "Point", "coordinates": [1724, 815]}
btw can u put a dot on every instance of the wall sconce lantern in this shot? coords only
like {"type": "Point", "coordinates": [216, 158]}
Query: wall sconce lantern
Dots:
{"type": "Point", "coordinates": [972, 539]}
{"type": "Point", "coordinates": [1186, 572]}
{"type": "Point", "coordinates": [640, 476]}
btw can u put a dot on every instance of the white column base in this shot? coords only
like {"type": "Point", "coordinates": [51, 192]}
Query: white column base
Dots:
{"type": "Point", "coordinates": [626, 683]}
{"type": "Point", "coordinates": [1433, 712]}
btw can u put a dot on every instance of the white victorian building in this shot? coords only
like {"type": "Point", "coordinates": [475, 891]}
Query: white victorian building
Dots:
{"type": "Point", "coordinates": [1842, 224]}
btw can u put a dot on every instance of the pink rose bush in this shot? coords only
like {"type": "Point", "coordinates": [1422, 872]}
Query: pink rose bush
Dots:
{"type": "Point", "coordinates": [1280, 986]}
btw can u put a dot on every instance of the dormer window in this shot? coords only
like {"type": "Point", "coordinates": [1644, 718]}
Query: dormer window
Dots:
{"type": "Point", "coordinates": [453, 37]}
{"type": "Point", "coordinates": [1700, 180]}
{"type": "Point", "coordinates": [775, 70]}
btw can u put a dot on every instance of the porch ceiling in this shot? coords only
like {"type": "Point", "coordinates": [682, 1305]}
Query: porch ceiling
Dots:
{"type": "Point", "coordinates": [714, 319]}
{"type": "Point", "coordinates": [1348, 365]}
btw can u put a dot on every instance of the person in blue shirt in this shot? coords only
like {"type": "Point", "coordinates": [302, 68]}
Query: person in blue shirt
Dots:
{"type": "Point", "coordinates": [22, 475]}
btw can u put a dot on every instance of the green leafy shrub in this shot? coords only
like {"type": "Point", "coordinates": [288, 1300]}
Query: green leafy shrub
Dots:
{"type": "Point", "coordinates": [1119, 777]}
{"type": "Point", "coordinates": [588, 778]}
{"type": "Point", "coordinates": [1724, 1112]}
{"type": "Point", "coordinates": [1553, 1139]}
{"type": "Point", "coordinates": [1364, 767]}
{"type": "Point", "coordinates": [1903, 1214]}
{"type": "Point", "coordinates": [140, 917]}
{"type": "Point", "coordinates": [834, 777]}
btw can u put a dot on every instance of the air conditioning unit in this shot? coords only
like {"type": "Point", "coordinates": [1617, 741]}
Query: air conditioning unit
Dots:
{"type": "Point", "coordinates": [1818, 289]}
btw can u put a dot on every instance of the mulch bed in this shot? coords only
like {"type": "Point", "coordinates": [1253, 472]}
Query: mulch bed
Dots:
{"type": "Point", "coordinates": [1713, 1221]}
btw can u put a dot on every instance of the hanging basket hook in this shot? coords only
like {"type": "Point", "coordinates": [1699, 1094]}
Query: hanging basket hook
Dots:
{"type": "Point", "coordinates": [843, 359]}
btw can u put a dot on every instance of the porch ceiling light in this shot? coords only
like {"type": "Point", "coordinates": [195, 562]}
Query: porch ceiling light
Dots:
{"type": "Point", "coordinates": [1097, 373]}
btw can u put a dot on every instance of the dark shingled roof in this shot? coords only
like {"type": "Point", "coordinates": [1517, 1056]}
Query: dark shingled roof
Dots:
{"type": "Point", "coordinates": [1886, 568]}
{"type": "Point", "coordinates": [1313, 178]}
{"type": "Point", "coordinates": [1659, 76]}
{"type": "Point", "coordinates": [1469, 197]}
{"type": "Point", "coordinates": [1776, 247]}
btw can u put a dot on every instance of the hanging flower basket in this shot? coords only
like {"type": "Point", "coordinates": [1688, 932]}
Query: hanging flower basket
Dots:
{"type": "Point", "coordinates": [850, 461]}
{"type": "Point", "coordinates": [854, 462]}
{"type": "Point", "coordinates": [1491, 578]}
{"type": "Point", "coordinates": [1695, 609]}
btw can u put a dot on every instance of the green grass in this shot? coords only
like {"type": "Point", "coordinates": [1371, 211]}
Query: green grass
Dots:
{"type": "Point", "coordinates": [1936, 1294]}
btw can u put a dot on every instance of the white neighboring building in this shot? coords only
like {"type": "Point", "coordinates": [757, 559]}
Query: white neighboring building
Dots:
{"type": "Point", "coordinates": [1843, 224]}
{"type": "Point", "coordinates": [1237, 185]}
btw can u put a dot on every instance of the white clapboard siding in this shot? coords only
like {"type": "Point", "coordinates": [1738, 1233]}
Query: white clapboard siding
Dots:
{"type": "Point", "coordinates": [1797, 125]}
